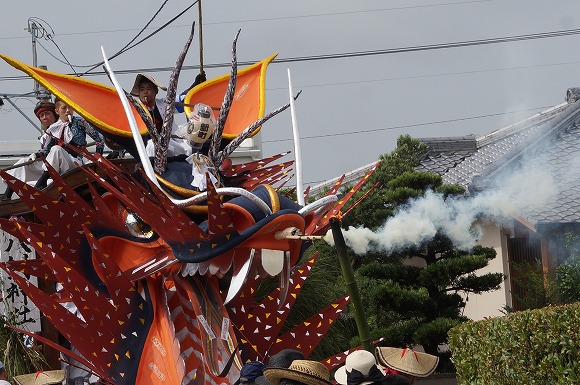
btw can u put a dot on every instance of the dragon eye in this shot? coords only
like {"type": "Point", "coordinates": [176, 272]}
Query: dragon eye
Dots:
{"type": "Point", "coordinates": [137, 226]}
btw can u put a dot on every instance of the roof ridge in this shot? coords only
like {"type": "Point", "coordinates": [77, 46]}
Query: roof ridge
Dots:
{"type": "Point", "coordinates": [513, 128]}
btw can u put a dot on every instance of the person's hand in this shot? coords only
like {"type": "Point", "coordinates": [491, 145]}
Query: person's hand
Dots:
{"type": "Point", "coordinates": [31, 157]}
{"type": "Point", "coordinates": [100, 148]}
{"type": "Point", "coordinates": [200, 78]}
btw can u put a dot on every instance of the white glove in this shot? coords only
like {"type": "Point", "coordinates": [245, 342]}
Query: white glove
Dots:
{"type": "Point", "coordinates": [32, 157]}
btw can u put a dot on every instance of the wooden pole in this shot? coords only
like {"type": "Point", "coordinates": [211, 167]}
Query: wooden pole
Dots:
{"type": "Point", "coordinates": [36, 160]}
{"type": "Point", "coordinates": [200, 36]}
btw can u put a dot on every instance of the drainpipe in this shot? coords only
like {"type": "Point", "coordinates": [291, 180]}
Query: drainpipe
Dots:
{"type": "Point", "coordinates": [350, 283]}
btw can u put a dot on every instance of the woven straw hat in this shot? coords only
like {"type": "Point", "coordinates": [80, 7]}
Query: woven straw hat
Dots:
{"type": "Point", "coordinates": [140, 77]}
{"type": "Point", "coordinates": [407, 361]}
{"type": "Point", "coordinates": [305, 371]}
{"type": "Point", "coordinates": [282, 359]}
{"type": "Point", "coordinates": [40, 378]}
{"type": "Point", "coordinates": [362, 361]}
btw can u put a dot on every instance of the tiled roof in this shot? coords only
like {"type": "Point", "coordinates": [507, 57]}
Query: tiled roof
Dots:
{"type": "Point", "coordinates": [492, 151]}
{"type": "Point", "coordinates": [561, 159]}
{"type": "Point", "coordinates": [552, 136]}
{"type": "Point", "coordinates": [446, 153]}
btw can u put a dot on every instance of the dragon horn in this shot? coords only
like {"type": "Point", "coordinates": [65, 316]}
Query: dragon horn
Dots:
{"type": "Point", "coordinates": [227, 151]}
{"type": "Point", "coordinates": [216, 139]}
{"type": "Point", "coordinates": [161, 147]}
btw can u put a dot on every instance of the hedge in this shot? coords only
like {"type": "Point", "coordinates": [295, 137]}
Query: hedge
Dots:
{"type": "Point", "coordinates": [540, 346]}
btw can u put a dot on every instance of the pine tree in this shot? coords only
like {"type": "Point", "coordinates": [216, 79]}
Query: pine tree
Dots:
{"type": "Point", "coordinates": [413, 295]}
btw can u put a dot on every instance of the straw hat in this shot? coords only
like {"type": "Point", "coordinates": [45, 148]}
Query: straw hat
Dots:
{"type": "Point", "coordinates": [282, 359]}
{"type": "Point", "coordinates": [360, 367]}
{"type": "Point", "coordinates": [140, 77]}
{"type": "Point", "coordinates": [407, 361]}
{"type": "Point", "coordinates": [40, 378]}
{"type": "Point", "coordinates": [305, 371]}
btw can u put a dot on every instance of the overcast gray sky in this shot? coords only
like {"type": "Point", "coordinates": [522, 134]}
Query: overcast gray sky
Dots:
{"type": "Point", "coordinates": [351, 109]}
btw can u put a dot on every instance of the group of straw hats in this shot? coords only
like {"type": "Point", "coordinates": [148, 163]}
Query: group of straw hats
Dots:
{"type": "Point", "coordinates": [406, 361]}
{"type": "Point", "coordinates": [360, 362]}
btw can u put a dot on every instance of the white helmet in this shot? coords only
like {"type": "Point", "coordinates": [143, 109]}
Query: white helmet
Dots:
{"type": "Point", "coordinates": [200, 125]}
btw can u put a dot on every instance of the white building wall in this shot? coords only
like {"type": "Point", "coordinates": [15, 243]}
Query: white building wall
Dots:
{"type": "Point", "coordinates": [491, 304]}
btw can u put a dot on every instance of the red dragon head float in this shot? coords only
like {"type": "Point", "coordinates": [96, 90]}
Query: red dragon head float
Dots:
{"type": "Point", "coordinates": [163, 285]}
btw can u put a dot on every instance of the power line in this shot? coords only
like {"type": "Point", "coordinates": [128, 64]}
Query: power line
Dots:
{"type": "Point", "coordinates": [128, 46]}
{"type": "Point", "coordinates": [459, 44]}
{"type": "Point", "coordinates": [25, 77]}
{"type": "Point", "coordinates": [334, 134]}
{"type": "Point", "coordinates": [38, 30]}
{"type": "Point", "coordinates": [275, 18]}
{"type": "Point", "coordinates": [429, 75]}
{"type": "Point", "coordinates": [348, 13]}
{"type": "Point", "coordinates": [345, 55]}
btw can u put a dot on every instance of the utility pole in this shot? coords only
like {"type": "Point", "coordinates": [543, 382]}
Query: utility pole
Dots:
{"type": "Point", "coordinates": [35, 30]}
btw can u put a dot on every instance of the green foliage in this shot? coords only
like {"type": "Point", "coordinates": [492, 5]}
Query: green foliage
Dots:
{"type": "Point", "coordinates": [323, 286]}
{"type": "Point", "coordinates": [16, 356]}
{"type": "Point", "coordinates": [405, 157]}
{"type": "Point", "coordinates": [420, 302]}
{"type": "Point", "coordinates": [450, 189]}
{"type": "Point", "coordinates": [413, 295]}
{"type": "Point", "coordinates": [568, 273]}
{"type": "Point", "coordinates": [568, 278]}
{"type": "Point", "coordinates": [415, 180]}
{"type": "Point", "coordinates": [400, 196]}
{"type": "Point", "coordinates": [541, 289]}
{"type": "Point", "coordinates": [539, 346]}
{"type": "Point", "coordinates": [406, 301]}
{"type": "Point", "coordinates": [376, 207]}
{"type": "Point", "coordinates": [289, 193]}
{"type": "Point", "coordinates": [433, 332]}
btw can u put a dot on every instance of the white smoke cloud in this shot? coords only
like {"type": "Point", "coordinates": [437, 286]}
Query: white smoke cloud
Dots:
{"type": "Point", "coordinates": [422, 218]}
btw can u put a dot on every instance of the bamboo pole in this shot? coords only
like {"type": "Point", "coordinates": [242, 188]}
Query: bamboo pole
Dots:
{"type": "Point", "coordinates": [350, 283]}
{"type": "Point", "coordinates": [200, 36]}
{"type": "Point", "coordinates": [38, 159]}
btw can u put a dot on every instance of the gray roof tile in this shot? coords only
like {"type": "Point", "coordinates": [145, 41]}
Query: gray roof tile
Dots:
{"type": "Point", "coordinates": [552, 138]}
